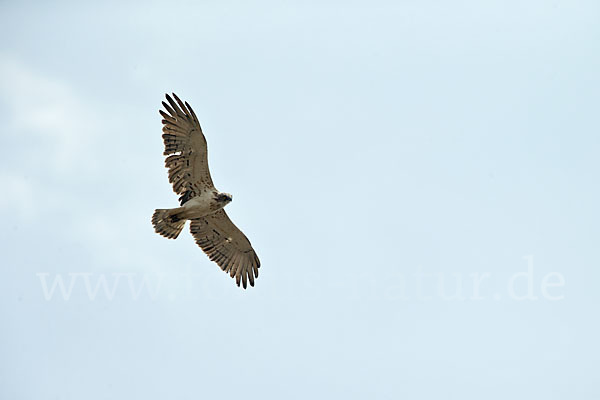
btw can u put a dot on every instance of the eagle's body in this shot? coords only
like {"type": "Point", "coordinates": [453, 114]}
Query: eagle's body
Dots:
{"type": "Point", "coordinates": [201, 203]}
{"type": "Point", "coordinates": [201, 206]}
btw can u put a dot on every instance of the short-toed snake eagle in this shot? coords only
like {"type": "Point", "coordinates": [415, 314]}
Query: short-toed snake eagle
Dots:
{"type": "Point", "coordinates": [201, 203]}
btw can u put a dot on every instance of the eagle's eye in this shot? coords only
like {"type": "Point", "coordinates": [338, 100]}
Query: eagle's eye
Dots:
{"type": "Point", "coordinates": [224, 197]}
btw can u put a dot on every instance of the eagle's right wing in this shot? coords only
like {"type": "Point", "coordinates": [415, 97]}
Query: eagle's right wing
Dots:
{"type": "Point", "coordinates": [226, 245]}
{"type": "Point", "coordinates": [186, 149]}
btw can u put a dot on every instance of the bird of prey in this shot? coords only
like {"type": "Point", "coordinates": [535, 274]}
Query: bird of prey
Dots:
{"type": "Point", "coordinates": [200, 202]}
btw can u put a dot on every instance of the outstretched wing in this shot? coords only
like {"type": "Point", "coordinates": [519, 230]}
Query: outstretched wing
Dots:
{"type": "Point", "coordinates": [226, 245]}
{"type": "Point", "coordinates": [186, 149]}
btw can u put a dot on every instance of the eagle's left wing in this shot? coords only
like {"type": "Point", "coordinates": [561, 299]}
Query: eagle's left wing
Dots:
{"type": "Point", "coordinates": [185, 146]}
{"type": "Point", "coordinates": [226, 245]}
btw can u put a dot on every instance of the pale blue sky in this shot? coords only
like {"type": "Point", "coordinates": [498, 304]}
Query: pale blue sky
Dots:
{"type": "Point", "coordinates": [378, 153]}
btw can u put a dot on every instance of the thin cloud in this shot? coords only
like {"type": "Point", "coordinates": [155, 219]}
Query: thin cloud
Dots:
{"type": "Point", "coordinates": [47, 109]}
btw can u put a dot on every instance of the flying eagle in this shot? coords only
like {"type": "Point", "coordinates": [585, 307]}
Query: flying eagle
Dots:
{"type": "Point", "coordinates": [201, 203]}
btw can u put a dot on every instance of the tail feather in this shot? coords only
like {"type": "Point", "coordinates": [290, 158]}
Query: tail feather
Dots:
{"type": "Point", "coordinates": [167, 223]}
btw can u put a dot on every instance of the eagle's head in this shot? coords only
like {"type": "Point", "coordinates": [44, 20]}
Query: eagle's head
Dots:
{"type": "Point", "coordinates": [224, 198]}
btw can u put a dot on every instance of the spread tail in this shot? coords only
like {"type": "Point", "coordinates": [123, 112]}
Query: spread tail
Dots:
{"type": "Point", "coordinates": [167, 223]}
